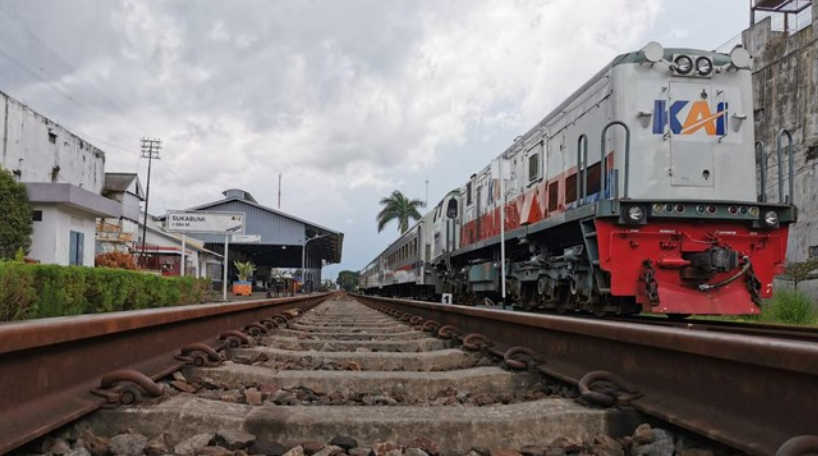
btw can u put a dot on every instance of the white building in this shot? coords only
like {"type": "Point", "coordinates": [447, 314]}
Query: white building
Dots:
{"type": "Point", "coordinates": [64, 176]}
{"type": "Point", "coordinates": [120, 234]}
{"type": "Point", "coordinates": [163, 253]}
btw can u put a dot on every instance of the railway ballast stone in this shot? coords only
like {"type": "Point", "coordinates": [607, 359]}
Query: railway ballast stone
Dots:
{"type": "Point", "coordinates": [344, 441]}
{"type": "Point", "coordinates": [192, 445]}
{"type": "Point", "coordinates": [128, 444]}
{"type": "Point", "coordinates": [267, 448]}
{"type": "Point", "coordinates": [233, 439]}
{"type": "Point", "coordinates": [295, 451]}
{"type": "Point", "coordinates": [661, 444]}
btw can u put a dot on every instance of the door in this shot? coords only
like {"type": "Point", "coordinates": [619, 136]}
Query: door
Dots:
{"type": "Point", "coordinates": [695, 121]}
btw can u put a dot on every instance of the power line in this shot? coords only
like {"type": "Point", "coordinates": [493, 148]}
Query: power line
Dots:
{"type": "Point", "coordinates": [54, 56]}
{"type": "Point", "coordinates": [35, 44]}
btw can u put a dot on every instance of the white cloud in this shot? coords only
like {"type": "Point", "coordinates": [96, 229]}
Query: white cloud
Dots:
{"type": "Point", "coordinates": [347, 99]}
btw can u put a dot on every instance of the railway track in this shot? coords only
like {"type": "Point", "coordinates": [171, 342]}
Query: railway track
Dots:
{"type": "Point", "coordinates": [789, 332]}
{"type": "Point", "coordinates": [806, 334]}
{"type": "Point", "coordinates": [330, 376]}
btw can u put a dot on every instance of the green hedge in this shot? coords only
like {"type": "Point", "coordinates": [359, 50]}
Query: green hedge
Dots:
{"type": "Point", "coordinates": [30, 291]}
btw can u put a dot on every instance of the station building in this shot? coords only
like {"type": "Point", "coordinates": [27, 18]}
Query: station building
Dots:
{"type": "Point", "coordinates": [280, 240]}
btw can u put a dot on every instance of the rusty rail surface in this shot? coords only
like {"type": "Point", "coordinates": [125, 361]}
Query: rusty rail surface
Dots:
{"type": "Point", "coordinates": [751, 393]}
{"type": "Point", "coordinates": [54, 371]}
{"type": "Point", "coordinates": [778, 331]}
{"type": "Point", "coordinates": [802, 333]}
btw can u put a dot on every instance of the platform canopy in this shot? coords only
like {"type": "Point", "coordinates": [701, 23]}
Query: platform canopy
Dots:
{"type": "Point", "coordinates": [281, 236]}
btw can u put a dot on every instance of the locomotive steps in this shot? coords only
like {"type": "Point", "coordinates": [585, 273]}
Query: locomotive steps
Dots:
{"type": "Point", "coordinates": [343, 369]}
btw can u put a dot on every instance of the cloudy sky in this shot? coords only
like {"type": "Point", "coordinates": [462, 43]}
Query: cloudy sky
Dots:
{"type": "Point", "coordinates": [348, 99]}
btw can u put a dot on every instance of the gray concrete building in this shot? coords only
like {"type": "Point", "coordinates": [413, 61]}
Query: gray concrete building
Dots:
{"type": "Point", "coordinates": [785, 83]}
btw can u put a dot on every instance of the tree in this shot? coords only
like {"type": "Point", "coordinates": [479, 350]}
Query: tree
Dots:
{"type": "Point", "coordinates": [15, 223]}
{"type": "Point", "coordinates": [348, 280]}
{"type": "Point", "coordinates": [802, 271]}
{"type": "Point", "coordinates": [398, 207]}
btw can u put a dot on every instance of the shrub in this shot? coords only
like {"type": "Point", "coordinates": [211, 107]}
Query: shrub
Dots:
{"type": "Point", "coordinates": [38, 291]}
{"type": "Point", "coordinates": [116, 260]}
{"type": "Point", "coordinates": [15, 223]}
{"type": "Point", "coordinates": [790, 307]}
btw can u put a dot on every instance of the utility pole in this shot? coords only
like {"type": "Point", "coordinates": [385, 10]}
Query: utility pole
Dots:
{"type": "Point", "coordinates": [150, 150]}
{"type": "Point", "coordinates": [279, 189]}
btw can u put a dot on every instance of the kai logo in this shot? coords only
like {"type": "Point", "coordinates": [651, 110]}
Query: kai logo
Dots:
{"type": "Point", "coordinates": [698, 117]}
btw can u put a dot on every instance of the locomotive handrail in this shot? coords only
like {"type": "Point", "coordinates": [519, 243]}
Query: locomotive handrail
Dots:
{"type": "Point", "coordinates": [603, 159]}
{"type": "Point", "coordinates": [791, 197]}
{"type": "Point", "coordinates": [582, 168]}
{"type": "Point", "coordinates": [762, 165]}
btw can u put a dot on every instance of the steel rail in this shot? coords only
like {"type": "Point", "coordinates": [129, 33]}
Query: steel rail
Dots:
{"type": "Point", "coordinates": [779, 331]}
{"type": "Point", "coordinates": [802, 333]}
{"type": "Point", "coordinates": [750, 393]}
{"type": "Point", "coordinates": [48, 367]}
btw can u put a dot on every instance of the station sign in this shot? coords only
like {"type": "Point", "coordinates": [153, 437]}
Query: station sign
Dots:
{"type": "Point", "coordinates": [246, 238]}
{"type": "Point", "coordinates": [206, 222]}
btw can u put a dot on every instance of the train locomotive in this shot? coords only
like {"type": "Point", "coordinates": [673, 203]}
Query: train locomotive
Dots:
{"type": "Point", "coordinates": [636, 194]}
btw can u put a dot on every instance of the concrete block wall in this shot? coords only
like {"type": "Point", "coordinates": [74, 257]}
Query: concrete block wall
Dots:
{"type": "Point", "coordinates": [785, 83]}
{"type": "Point", "coordinates": [43, 151]}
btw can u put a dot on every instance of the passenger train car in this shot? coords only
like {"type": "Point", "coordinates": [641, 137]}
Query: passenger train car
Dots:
{"type": "Point", "coordinates": [637, 194]}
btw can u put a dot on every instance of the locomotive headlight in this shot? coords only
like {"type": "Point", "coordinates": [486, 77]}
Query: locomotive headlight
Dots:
{"type": "Point", "coordinates": [683, 64]}
{"type": "Point", "coordinates": [704, 66]}
{"type": "Point", "coordinates": [770, 219]}
{"type": "Point", "coordinates": [740, 58]}
{"type": "Point", "coordinates": [753, 211]}
{"type": "Point", "coordinates": [636, 214]}
{"type": "Point", "coordinates": [658, 208]}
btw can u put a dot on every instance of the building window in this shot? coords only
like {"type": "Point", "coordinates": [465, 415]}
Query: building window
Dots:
{"type": "Point", "coordinates": [76, 249]}
{"type": "Point", "coordinates": [37, 216]}
{"type": "Point", "coordinates": [52, 137]}
{"type": "Point", "coordinates": [813, 251]}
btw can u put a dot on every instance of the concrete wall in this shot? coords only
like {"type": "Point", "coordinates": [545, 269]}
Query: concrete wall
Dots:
{"type": "Point", "coordinates": [785, 83]}
{"type": "Point", "coordinates": [51, 238]}
{"type": "Point", "coordinates": [26, 145]}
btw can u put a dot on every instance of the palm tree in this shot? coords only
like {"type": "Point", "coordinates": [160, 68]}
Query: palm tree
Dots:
{"type": "Point", "coordinates": [400, 208]}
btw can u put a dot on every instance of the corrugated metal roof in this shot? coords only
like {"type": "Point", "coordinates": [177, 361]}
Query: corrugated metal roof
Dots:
{"type": "Point", "coordinates": [272, 228]}
{"type": "Point", "coordinates": [275, 227]}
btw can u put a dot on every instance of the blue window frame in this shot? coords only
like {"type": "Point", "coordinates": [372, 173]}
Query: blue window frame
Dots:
{"type": "Point", "coordinates": [76, 249]}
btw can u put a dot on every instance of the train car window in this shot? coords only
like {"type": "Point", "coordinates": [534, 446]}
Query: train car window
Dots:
{"type": "Point", "coordinates": [533, 167]}
{"type": "Point", "coordinates": [592, 179]}
{"type": "Point", "coordinates": [468, 194]}
{"type": "Point", "coordinates": [553, 196]}
{"type": "Point", "coordinates": [451, 209]}
{"type": "Point", "coordinates": [571, 188]}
